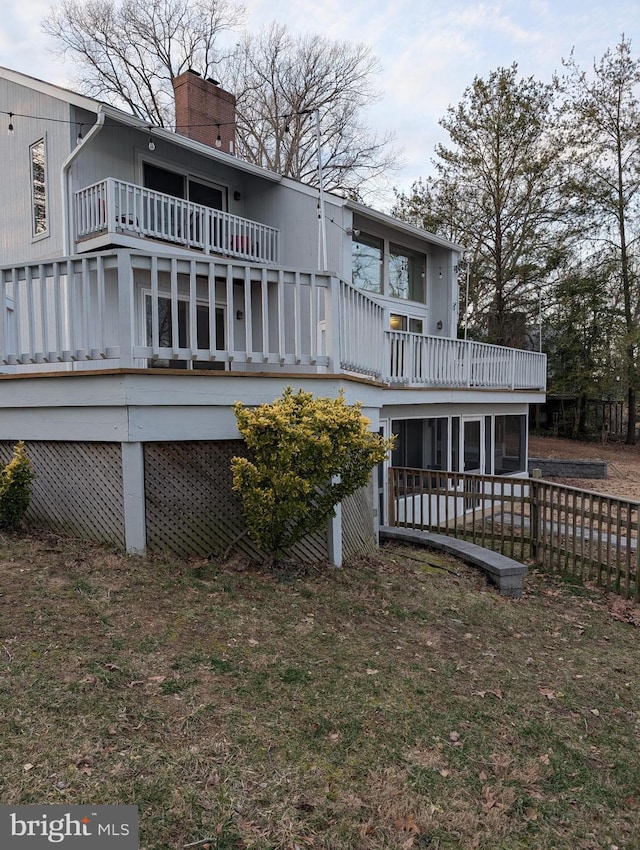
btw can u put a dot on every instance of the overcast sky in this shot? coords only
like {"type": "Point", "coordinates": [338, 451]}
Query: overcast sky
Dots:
{"type": "Point", "coordinates": [430, 50]}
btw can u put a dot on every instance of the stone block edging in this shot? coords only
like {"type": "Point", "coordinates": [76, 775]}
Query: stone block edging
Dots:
{"type": "Point", "coordinates": [504, 572]}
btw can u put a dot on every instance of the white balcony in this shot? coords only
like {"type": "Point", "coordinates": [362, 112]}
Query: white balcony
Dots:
{"type": "Point", "coordinates": [399, 358]}
{"type": "Point", "coordinates": [114, 207]}
{"type": "Point", "coordinates": [131, 309]}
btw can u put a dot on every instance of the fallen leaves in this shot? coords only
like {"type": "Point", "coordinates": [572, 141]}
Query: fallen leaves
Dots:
{"type": "Point", "coordinates": [494, 692]}
{"type": "Point", "coordinates": [85, 764]}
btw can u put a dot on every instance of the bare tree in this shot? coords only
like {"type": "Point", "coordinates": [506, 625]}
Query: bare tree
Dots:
{"type": "Point", "coordinates": [129, 52]}
{"type": "Point", "coordinates": [280, 82]}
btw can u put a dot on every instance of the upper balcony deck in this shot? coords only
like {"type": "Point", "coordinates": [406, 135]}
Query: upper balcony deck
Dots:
{"type": "Point", "coordinates": [114, 208]}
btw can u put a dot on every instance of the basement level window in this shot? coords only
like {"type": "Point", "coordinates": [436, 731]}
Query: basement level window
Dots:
{"type": "Point", "coordinates": [37, 155]}
{"type": "Point", "coordinates": [511, 438]}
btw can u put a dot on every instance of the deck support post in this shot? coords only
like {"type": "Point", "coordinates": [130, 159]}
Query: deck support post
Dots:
{"type": "Point", "coordinates": [334, 535]}
{"type": "Point", "coordinates": [135, 531]}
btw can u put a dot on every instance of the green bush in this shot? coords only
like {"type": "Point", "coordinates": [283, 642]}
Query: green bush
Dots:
{"type": "Point", "coordinates": [15, 481]}
{"type": "Point", "coordinates": [306, 455]}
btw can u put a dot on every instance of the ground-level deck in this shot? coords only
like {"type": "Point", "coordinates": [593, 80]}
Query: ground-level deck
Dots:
{"type": "Point", "coordinates": [140, 457]}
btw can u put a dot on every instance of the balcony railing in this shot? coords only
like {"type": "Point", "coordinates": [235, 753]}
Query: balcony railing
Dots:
{"type": "Point", "coordinates": [134, 309]}
{"type": "Point", "coordinates": [116, 207]}
{"type": "Point", "coordinates": [369, 347]}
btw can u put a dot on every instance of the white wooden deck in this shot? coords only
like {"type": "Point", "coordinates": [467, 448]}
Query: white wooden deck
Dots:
{"type": "Point", "coordinates": [127, 308]}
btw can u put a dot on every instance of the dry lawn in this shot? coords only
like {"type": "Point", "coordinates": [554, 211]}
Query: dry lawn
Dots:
{"type": "Point", "coordinates": [623, 464]}
{"type": "Point", "coordinates": [398, 703]}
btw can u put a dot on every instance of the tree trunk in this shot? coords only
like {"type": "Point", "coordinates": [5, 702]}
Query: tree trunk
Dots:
{"type": "Point", "coordinates": [631, 421]}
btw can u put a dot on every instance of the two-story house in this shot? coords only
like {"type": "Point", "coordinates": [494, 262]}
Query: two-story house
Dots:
{"type": "Point", "coordinates": [149, 279]}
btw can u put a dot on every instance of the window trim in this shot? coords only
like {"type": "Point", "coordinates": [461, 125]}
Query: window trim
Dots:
{"type": "Point", "coordinates": [44, 234]}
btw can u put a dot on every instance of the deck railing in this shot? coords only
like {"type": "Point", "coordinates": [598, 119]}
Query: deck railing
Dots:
{"type": "Point", "coordinates": [135, 309]}
{"type": "Point", "coordinates": [115, 206]}
{"type": "Point", "coordinates": [586, 535]}
{"type": "Point", "coordinates": [410, 359]}
{"type": "Point", "coordinates": [420, 360]}
{"type": "Point", "coordinates": [362, 343]}
{"type": "Point", "coordinates": [146, 309]}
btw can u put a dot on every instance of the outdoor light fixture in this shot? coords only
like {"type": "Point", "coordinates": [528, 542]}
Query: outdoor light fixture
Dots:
{"type": "Point", "coordinates": [10, 127]}
{"type": "Point", "coordinates": [152, 144]}
{"type": "Point", "coordinates": [219, 138]}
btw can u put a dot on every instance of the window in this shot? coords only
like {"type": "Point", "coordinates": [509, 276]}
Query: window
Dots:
{"type": "Point", "coordinates": [510, 444]}
{"type": "Point", "coordinates": [403, 323]}
{"type": "Point", "coordinates": [420, 443]}
{"type": "Point", "coordinates": [472, 446]}
{"type": "Point", "coordinates": [403, 274]}
{"type": "Point", "coordinates": [39, 222]}
{"type": "Point", "coordinates": [179, 186]}
{"type": "Point", "coordinates": [165, 332]}
{"type": "Point", "coordinates": [367, 254]}
{"type": "Point", "coordinates": [455, 443]}
{"type": "Point", "coordinates": [407, 274]}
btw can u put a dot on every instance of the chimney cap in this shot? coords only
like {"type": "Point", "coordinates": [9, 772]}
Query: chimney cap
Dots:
{"type": "Point", "coordinates": [211, 80]}
{"type": "Point", "coordinates": [191, 71]}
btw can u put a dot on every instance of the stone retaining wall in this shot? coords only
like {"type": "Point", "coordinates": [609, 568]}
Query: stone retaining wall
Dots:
{"type": "Point", "coordinates": [554, 467]}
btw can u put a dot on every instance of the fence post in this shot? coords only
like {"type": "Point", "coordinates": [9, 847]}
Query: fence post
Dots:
{"type": "Point", "coordinates": [536, 476]}
{"type": "Point", "coordinates": [391, 497]}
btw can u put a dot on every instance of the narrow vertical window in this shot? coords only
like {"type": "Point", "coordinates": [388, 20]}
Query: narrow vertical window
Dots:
{"type": "Point", "coordinates": [39, 188]}
{"type": "Point", "coordinates": [367, 255]}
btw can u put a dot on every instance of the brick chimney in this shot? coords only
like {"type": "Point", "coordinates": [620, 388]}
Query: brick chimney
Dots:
{"type": "Point", "coordinates": [204, 111]}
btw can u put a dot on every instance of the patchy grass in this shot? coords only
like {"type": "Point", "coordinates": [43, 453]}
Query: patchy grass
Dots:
{"type": "Point", "coordinates": [392, 704]}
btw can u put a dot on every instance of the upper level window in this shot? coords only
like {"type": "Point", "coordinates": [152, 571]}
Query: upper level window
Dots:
{"type": "Point", "coordinates": [181, 186]}
{"type": "Point", "coordinates": [407, 274]}
{"type": "Point", "coordinates": [391, 270]}
{"type": "Point", "coordinates": [404, 323]}
{"type": "Point", "coordinates": [39, 222]}
{"type": "Point", "coordinates": [367, 253]}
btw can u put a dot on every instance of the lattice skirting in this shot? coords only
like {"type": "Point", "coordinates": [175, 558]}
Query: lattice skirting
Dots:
{"type": "Point", "coordinates": [358, 529]}
{"type": "Point", "coordinates": [190, 505]}
{"type": "Point", "coordinates": [77, 489]}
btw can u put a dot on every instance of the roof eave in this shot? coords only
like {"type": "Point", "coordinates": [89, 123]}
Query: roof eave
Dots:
{"type": "Point", "coordinates": [397, 224]}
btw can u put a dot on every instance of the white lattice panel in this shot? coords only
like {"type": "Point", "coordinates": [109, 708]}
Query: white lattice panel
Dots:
{"type": "Point", "coordinates": [77, 488]}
